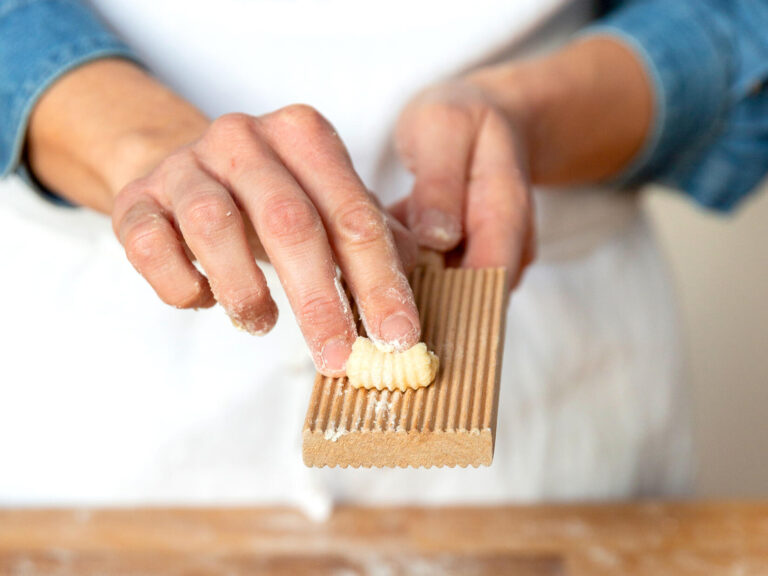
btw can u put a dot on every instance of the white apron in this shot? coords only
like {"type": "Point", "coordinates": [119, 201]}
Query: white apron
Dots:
{"type": "Point", "coordinates": [108, 395]}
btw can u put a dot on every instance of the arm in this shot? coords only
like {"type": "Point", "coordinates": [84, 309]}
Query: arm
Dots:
{"type": "Point", "coordinates": [477, 143]}
{"type": "Point", "coordinates": [585, 111]}
{"type": "Point", "coordinates": [109, 136]}
{"type": "Point", "coordinates": [666, 91]}
{"type": "Point", "coordinates": [105, 134]}
{"type": "Point", "coordinates": [103, 125]}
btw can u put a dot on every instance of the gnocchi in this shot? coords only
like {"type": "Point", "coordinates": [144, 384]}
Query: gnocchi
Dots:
{"type": "Point", "coordinates": [370, 367]}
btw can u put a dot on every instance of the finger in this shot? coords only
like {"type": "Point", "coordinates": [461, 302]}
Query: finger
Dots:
{"type": "Point", "coordinates": [435, 139]}
{"type": "Point", "coordinates": [293, 237]}
{"type": "Point", "coordinates": [357, 229]}
{"type": "Point", "coordinates": [499, 210]}
{"type": "Point", "coordinates": [215, 233]}
{"type": "Point", "coordinates": [399, 210]}
{"type": "Point", "coordinates": [397, 214]}
{"type": "Point", "coordinates": [157, 253]}
{"type": "Point", "coordinates": [257, 249]}
{"type": "Point", "coordinates": [405, 241]}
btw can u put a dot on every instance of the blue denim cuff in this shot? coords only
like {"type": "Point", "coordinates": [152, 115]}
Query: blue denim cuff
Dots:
{"type": "Point", "coordinates": [40, 40]}
{"type": "Point", "coordinates": [688, 58]}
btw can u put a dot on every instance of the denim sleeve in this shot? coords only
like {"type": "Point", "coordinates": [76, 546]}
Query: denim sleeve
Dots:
{"type": "Point", "coordinates": [708, 61]}
{"type": "Point", "coordinates": [40, 40]}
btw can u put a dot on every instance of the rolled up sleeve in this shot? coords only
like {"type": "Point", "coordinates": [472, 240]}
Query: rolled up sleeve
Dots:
{"type": "Point", "coordinates": [708, 63]}
{"type": "Point", "coordinates": [40, 40]}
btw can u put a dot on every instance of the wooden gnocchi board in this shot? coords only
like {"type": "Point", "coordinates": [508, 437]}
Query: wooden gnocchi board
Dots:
{"type": "Point", "coordinates": [451, 422]}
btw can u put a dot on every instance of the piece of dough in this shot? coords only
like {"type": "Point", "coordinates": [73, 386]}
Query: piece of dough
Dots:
{"type": "Point", "coordinates": [370, 367]}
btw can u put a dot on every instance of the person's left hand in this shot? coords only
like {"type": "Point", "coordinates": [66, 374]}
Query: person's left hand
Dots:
{"type": "Point", "coordinates": [471, 197]}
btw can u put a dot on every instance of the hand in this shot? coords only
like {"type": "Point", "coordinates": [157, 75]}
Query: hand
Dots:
{"type": "Point", "coordinates": [288, 177]}
{"type": "Point", "coordinates": [471, 193]}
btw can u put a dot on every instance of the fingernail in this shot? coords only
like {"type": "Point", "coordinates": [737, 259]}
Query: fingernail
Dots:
{"type": "Point", "coordinates": [257, 326]}
{"type": "Point", "coordinates": [441, 228]}
{"type": "Point", "coordinates": [334, 355]}
{"type": "Point", "coordinates": [397, 329]}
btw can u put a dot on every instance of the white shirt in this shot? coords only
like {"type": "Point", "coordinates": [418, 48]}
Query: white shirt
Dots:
{"type": "Point", "coordinates": [107, 395]}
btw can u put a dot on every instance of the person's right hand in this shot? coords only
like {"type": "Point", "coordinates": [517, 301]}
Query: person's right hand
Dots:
{"type": "Point", "coordinates": [289, 177]}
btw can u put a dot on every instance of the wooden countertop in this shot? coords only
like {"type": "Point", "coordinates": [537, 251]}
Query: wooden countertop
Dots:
{"type": "Point", "coordinates": [628, 539]}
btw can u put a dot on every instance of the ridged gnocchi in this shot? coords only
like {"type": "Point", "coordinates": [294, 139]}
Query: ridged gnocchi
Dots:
{"type": "Point", "coordinates": [370, 367]}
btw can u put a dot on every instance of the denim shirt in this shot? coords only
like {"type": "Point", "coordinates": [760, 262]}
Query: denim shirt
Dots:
{"type": "Point", "coordinates": [707, 59]}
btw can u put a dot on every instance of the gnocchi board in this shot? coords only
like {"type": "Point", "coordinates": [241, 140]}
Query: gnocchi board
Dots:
{"type": "Point", "coordinates": [452, 422]}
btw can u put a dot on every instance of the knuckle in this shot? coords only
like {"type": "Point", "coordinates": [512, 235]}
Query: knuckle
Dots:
{"type": "Point", "coordinates": [305, 117]}
{"type": "Point", "coordinates": [145, 239]}
{"type": "Point", "coordinates": [131, 191]}
{"type": "Point", "coordinates": [130, 202]}
{"type": "Point", "coordinates": [319, 310]}
{"type": "Point", "coordinates": [207, 215]}
{"type": "Point", "coordinates": [231, 125]}
{"type": "Point", "coordinates": [294, 220]}
{"type": "Point", "coordinates": [176, 163]}
{"type": "Point", "coordinates": [447, 113]}
{"type": "Point", "coordinates": [360, 224]}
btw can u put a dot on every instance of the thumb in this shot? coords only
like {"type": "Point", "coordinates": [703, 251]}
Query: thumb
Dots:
{"type": "Point", "coordinates": [435, 140]}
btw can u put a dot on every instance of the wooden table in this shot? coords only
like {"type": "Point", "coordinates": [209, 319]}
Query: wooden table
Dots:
{"type": "Point", "coordinates": [653, 539]}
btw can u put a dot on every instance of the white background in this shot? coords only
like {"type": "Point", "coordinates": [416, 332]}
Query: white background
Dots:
{"type": "Point", "coordinates": [720, 266]}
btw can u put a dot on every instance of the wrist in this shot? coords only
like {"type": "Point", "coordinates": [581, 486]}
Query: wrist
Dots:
{"type": "Point", "coordinates": [137, 151]}
{"type": "Point", "coordinates": [583, 111]}
{"type": "Point", "coordinates": [102, 125]}
{"type": "Point", "coordinates": [522, 93]}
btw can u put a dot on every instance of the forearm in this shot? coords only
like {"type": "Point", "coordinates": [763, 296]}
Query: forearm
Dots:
{"type": "Point", "coordinates": [585, 110]}
{"type": "Point", "coordinates": [181, 189]}
{"type": "Point", "coordinates": [101, 126]}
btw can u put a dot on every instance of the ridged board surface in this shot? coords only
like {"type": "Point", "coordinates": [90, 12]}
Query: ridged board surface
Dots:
{"type": "Point", "coordinates": [450, 423]}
